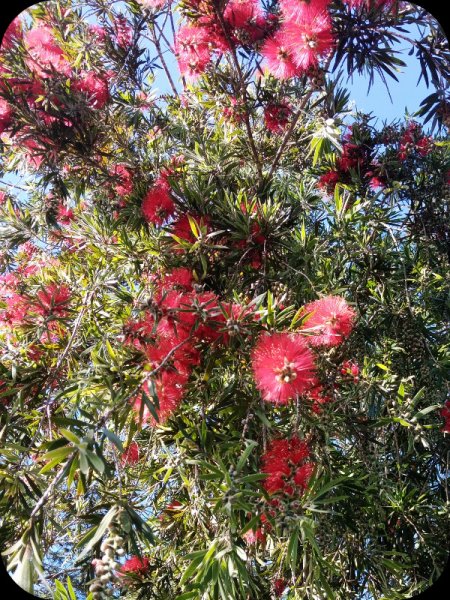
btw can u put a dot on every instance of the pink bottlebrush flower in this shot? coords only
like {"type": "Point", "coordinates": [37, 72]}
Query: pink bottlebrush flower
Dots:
{"type": "Point", "coordinates": [28, 249]}
{"type": "Point", "coordinates": [16, 311]}
{"type": "Point", "coordinates": [308, 41]}
{"type": "Point", "coordinates": [2, 196]}
{"type": "Point", "coordinates": [287, 466]}
{"type": "Point", "coordinates": [65, 215]}
{"type": "Point", "coordinates": [135, 566]}
{"type": "Point", "coordinates": [6, 113]}
{"type": "Point", "coordinates": [124, 33]}
{"type": "Point", "coordinates": [12, 34]}
{"type": "Point", "coordinates": [193, 49]}
{"type": "Point", "coordinates": [302, 10]}
{"type": "Point", "coordinates": [152, 4]}
{"type": "Point", "coordinates": [53, 300]}
{"type": "Point", "coordinates": [254, 536]}
{"type": "Point", "coordinates": [276, 116]}
{"type": "Point", "coordinates": [98, 33]}
{"type": "Point", "coordinates": [131, 454]}
{"type": "Point", "coordinates": [94, 87]}
{"type": "Point", "coordinates": [283, 367]}
{"type": "Point", "coordinates": [44, 54]}
{"type": "Point", "coordinates": [157, 205]}
{"type": "Point", "coordinates": [278, 58]}
{"type": "Point", "coordinates": [319, 397]}
{"type": "Point", "coordinates": [330, 322]}
{"type": "Point", "coordinates": [239, 13]}
{"type": "Point", "coordinates": [124, 180]}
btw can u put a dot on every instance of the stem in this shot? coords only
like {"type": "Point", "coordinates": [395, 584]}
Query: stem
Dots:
{"type": "Point", "coordinates": [243, 89]}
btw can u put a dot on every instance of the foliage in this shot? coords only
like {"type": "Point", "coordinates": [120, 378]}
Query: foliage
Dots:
{"type": "Point", "coordinates": [223, 310]}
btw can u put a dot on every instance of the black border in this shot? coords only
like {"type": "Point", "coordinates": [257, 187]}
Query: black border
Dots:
{"type": "Point", "coordinates": [441, 588]}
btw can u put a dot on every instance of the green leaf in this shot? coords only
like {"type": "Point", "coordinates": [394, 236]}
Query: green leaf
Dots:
{"type": "Point", "coordinates": [113, 438]}
{"type": "Point", "coordinates": [105, 522]}
{"type": "Point", "coordinates": [69, 435]}
{"type": "Point", "coordinates": [243, 459]}
{"type": "Point", "coordinates": [96, 461]}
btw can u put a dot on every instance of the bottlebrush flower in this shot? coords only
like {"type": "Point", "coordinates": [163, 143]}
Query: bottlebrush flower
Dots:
{"type": "Point", "coordinates": [193, 50]}
{"type": "Point", "coordinates": [241, 13]}
{"type": "Point", "coordinates": [136, 566]}
{"type": "Point", "coordinates": [124, 33]}
{"type": "Point", "coordinates": [306, 10]}
{"type": "Point", "coordinates": [254, 536]}
{"type": "Point", "coordinates": [170, 388]}
{"type": "Point", "coordinates": [123, 176]}
{"type": "Point", "coordinates": [131, 454]}
{"type": "Point", "coordinates": [94, 87]}
{"type": "Point", "coordinates": [329, 180]}
{"type": "Point", "coordinates": [44, 54]}
{"type": "Point", "coordinates": [178, 278]}
{"type": "Point", "coordinates": [445, 413]}
{"type": "Point", "coordinates": [351, 369]}
{"type": "Point", "coordinates": [279, 585]}
{"type": "Point", "coordinates": [53, 300]}
{"type": "Point", "coordinates": [283, 367]}
{"type": "Point", "coordinates": [152, 4]}
{"type": "Point", "coordinates": [13, 33]}
{"type": "Point", "coordinates": [181, 228]}
{"type": "Point", "coordinates": [278, 58]}
{"type": "Point", "coordinates": [330, 322]}
{"type": "Point", "coordinates": [157, 205]}
{"type": "Point", "coordinates": [276, 116]}
{"type": "Point", "coordinates": [287, 466]}
{"type": "Point", "coordinates": [308, 40]}
{"type": "Point", "coordinates": [5, 115]}
{"type": "Point", "coordinates": [64, 215]}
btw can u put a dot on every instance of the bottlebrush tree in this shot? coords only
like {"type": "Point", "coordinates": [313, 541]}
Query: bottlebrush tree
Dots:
{"type": "Point", "coordinates": [224, 308]}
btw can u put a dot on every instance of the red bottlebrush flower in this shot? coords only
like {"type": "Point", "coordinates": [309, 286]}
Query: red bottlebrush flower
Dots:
{"type": "Point", "coordinates": [157, 205]}
{"type": "Point", "coordinates": [319, 398]}
{"type": "Point", "coordinates": [53, 300]}
{"type": "Point", "coordinates": [181, 228]}
{"type": "Point", "coordinates": [330, 321]}
{"type": "Point", "coordinates": [123, 176]}
{"type": "Point", "coordinates": [170, 388]}
{"type": "Point", "coordinates": [254, 536]}
{"type": "Point", "coordinates": [285, 463]}
{"type": "Point", "coordinates": [276, 116]}
{"type": "Point", "coordinates": [179, 278]}
{"type": "Point", "coordinates": [279, 585]}
{"type": "Point", "coordinates": [328, 181]}
{"type": "Point", "coordinates": [94, 87]}
{"type": "Point", "coordinates": [351, 369]}
{"type": "Point", "coordinates": [279, 59]}
{"type": "Point", "coordinates": [445, 413]}
{"type": "Point", "coordinates": [136, 566]}
{"type": "Point", "coordinates": [6, 113]}
{"type": "Point", "coordinates": [140, 333]}
{"type": "Point", "coordinates": [131, 454]}
{"type": "Point", "coordinates": [283, 367]}
{"type": "Point", "coordinates": [308, 40]}
{"type": "Point", "coordinates": [44, 55]}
